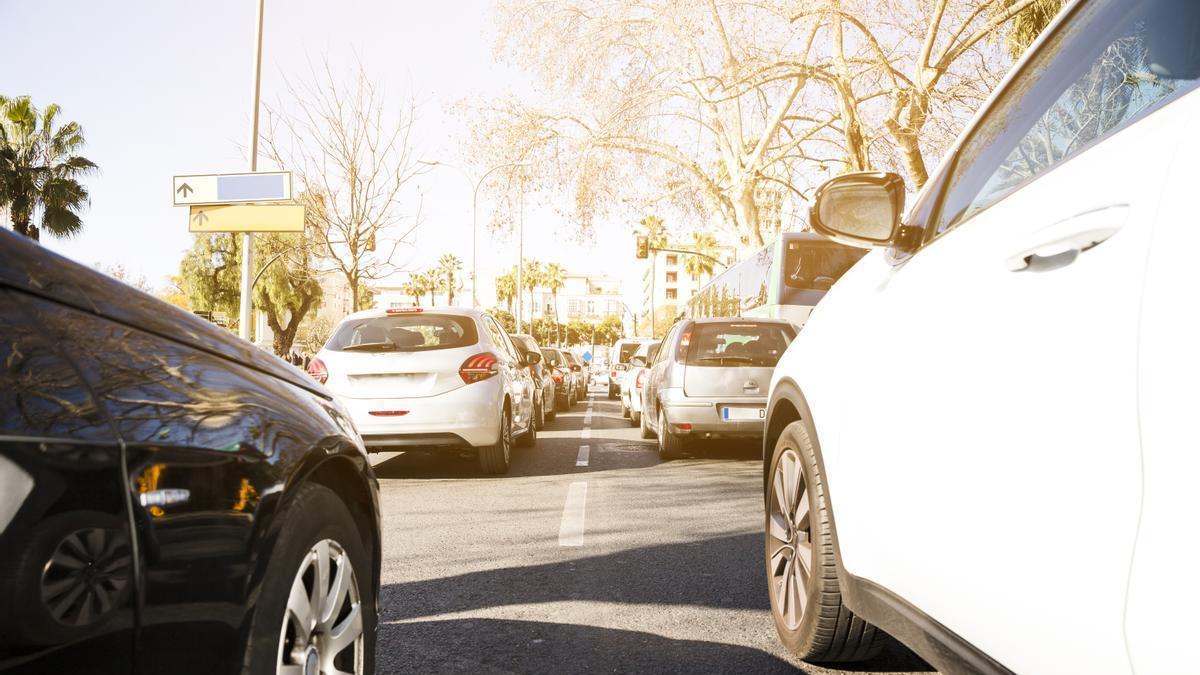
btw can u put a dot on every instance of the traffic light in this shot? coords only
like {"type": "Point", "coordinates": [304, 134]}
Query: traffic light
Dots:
{"type": "Point", "coordinates": [643, 247]}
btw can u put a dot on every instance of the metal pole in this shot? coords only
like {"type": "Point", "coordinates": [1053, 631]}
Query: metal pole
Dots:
{"type": "Point", "coordinates": [474, 239]}
{"type": "Point", "coordinates": [247, 237]}
{"type": "Point", "coordinates": [520, 260]}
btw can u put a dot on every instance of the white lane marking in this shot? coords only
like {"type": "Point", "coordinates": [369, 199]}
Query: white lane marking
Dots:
{"type": "Point", "coordinates": [587, 419]}
{"type": "Point", "coordinates": [570, 531]}
{"type": "Point", "coordinates": [582, 460]}
{"type": "Point", "coordinates": [586, 433]}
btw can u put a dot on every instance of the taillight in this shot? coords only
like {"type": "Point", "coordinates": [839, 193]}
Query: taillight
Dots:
{"type": "Point", "coordinates": [558, 375]}
{"type": "Point", "coordinates": [318, 371]}
{"type": "Point", "coordinates": [641, 379]}
{"type": "Point", "coordinates": [478, 368]}
{"type": "Point", "coordinates": [684, 341]}
{"type": "Point", "coordinates": [613, 374]}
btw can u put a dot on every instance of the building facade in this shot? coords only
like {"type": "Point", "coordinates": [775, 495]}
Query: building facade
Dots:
{"type": "Point", "coordinates": [583, 297]}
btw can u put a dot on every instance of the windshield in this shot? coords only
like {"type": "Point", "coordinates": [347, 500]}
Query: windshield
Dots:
{"type": "Point", "coordinates": [743, 343]}
{"type": "Point", "coordinates": [816, 265]}
{"type": "Point", "coordinates": [404, 333]}
{"type": "Point", "coordinates": [552, 357]}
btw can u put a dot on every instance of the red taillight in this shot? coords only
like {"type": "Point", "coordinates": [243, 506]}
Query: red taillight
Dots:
{"type": "Point", "coordinates": [405, 310]}
{"type": "Point", "coordinates": [478, 368]}
{"type": "Point", "coordinates": [641, 379]}
{"type": "Point", "coordinates": [682, 427]}
{"type": "Point", "coordinates": [613, 374]}
{"type": "Point", "coordinates": [388, 413]}
{"type": "Point", "coordinates": [557, 375]}
{"type": "Point", "coordinates": [318, 371]}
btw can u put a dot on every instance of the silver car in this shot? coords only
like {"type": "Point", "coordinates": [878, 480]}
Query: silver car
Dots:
{"type": "Point", "coordinates": [709, 379]}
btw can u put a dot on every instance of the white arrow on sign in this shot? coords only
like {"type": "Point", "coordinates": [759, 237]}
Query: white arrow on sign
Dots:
{"type": "Point", "coordinates": [233, 188]}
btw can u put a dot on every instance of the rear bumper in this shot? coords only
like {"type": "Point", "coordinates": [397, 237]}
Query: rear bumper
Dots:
{"type": "Point", "coordinates": [468, 416]}
{"type": "Point", "coordinates": [704, 414]}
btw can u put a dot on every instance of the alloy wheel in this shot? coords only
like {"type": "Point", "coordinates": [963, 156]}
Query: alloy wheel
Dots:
{"type": "Point", "coordinates": [789, 540]}
{"type": "Point", "coordinates": [506, 437]}
{"type": "Point", "coordinates": [322, 631]}
{"type": "Point", "coordinates": [87, 576]}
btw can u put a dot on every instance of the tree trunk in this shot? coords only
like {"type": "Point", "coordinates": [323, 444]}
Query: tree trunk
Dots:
{"type": "Point", "coordinates": [353, 293]}
{"type": "Point", "coordinates": [904, 124]}
{"type": "Point", "coordinates": [745, 212]}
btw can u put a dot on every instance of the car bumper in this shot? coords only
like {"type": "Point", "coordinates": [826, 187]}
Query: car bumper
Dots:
{"type": "Point", "coordinates": [468, 416]}
{"type": "Point", "coordinates": [705, 414]}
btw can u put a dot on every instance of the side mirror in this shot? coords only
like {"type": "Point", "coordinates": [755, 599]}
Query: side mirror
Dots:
{"type": "Point", "coordinates": [860, 209]}
{"type": "Point", "coordinates": [532, 358]}
{"type": "Point", "coordinates": [575, 368]}
{"type": "Point", "coordinates": [638, 361]}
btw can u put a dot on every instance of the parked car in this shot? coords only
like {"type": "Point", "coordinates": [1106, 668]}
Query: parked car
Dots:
{"type": "Point", "coordinates": [986, 426]}
{"type": "Point", "coordinates": [560, 371]}
{"type": "Point", "coordinates": [579, 373]}
{"type": "Point", "coordinates": [618, 361]}
{"type": "Point", "coordinates": [433, 380]}
{"type": "Point", "coordinates": [634, 381]}
{"type": "Point", "coordinates": [543, 380]}
{"type": "Point", "coordinates": [167, 490]}
{"type": "Point", "coordinates": [709, 379]}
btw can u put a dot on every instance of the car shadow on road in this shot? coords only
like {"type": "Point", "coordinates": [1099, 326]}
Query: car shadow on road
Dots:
{"type": "Point", "coordinates": [507, 646]}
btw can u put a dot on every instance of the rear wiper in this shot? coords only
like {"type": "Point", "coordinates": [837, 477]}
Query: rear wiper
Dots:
{"type": "Point", "coordinates": [385, 346]}
{"type": "Point", "coordinates": [742, 359]}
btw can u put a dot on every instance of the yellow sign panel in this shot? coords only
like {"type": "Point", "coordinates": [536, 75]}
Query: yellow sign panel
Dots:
{"type": "Point", "coordinates": [247, 218]}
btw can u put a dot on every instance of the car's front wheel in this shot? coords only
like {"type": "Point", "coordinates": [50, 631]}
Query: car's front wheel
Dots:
{"type": "Point", "coordinates": [806, 602]}
{"type": "Point", "coordinates": [316, 611]}
{"type": "Point", "coordinates": [549, 409]}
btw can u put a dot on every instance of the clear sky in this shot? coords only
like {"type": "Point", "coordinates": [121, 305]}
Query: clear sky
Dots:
{"type": "Point", "coordinates": [163, 87]}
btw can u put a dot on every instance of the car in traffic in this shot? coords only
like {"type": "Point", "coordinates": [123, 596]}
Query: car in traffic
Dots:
{"type": "Point", "coordinates": [709, 380]}
{"type": "Point", "coordinates": [618, 361]}
{"type": "Point", "coordinates": [543, 379]}
{"type": "Point", "coordinates": [442, 379]}
{"type": "Point", "coordinates": [579, 373]}
{"type": "Point", "coordinates": [170, 495]}
{"type": "Point", "coordinates": [980, 443]}
{"type": "Point", "coordinates": [634, 381]}
{"type": "Point", "coordinates": [560, 371]}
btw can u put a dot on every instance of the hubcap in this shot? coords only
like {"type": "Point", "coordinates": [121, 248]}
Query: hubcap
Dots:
{"type": "Point", "coordinates": [322, 631]}
{"type": "Point", "coordinates": [789, 540]}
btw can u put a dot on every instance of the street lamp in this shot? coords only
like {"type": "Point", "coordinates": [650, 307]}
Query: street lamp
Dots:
{"type": "Point", "coordinates": [475, 185]}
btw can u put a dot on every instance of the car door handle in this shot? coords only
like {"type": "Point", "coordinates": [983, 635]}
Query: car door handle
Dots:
{"type": "Point", "coordinates": [1060, 244]}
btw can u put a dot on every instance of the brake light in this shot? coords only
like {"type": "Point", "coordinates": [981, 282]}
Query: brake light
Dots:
{"type": "Point", "coordinates": [318, 371]}
{"type": "Point", "coordinates": [641, 379]}
{"type": "Point", "coordinates": [558, 375]}
{"type": "Point", "coordinates": [405, 310]}
{"type": "Point", "coordinates": [478, 367]}
{"type": "Point", "coordinates": [613, 374]}
{"type": "Point", "coordinates": [683, 427]}
{"type": "Point", "coordinates": [388, 413]}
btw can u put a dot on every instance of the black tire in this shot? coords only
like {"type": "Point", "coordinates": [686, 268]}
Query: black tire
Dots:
{"type": "Point", "coordinates": [647, 432]}
{"type": "Point", "coordinates": [539, 414]}
{"type": "Point", "coordinates": [550, 411]}
{"type": "Point", "coordinates": [612, 392]}
{"type": "Point", "coordinates": [625, 410]}
{"type": "Point", "coordinates": [635, 418]}
{"type": "Point", "coordinates": [315, 514]}
{"type": "Point", "coordinates": [670, 446]}
{"type": "Point", "coordinates": [529, 438]}
{"type": "Point", "coordinates": [495, 459]}
{"type": "Point", "coordinates": [825, 630]}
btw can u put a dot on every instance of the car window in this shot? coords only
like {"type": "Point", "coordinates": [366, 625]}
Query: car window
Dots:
{"type": "Point", "coordinates": [743, 343]}
{"type": "Point", "coordinates": [1111, 63]}
{"type": "Point", "coordinates": [499, 338]}
{"type": "Point", "coordinates": [404, 333]}
{"type": "Point", "coordinates": [552, 357]}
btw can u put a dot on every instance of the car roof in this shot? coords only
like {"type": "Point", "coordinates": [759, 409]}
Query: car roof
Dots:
{"type": "Point", "coordinates": [740, 319]}
{"type": "Point", "coordinates": [378, 312]}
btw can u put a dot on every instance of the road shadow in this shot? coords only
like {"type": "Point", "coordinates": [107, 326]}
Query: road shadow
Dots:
{"type": "Point", "coordinates": [507, 646]}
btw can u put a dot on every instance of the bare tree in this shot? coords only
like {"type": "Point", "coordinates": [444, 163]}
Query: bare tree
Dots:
{"type": "Point", "coordinates": [353, 157]}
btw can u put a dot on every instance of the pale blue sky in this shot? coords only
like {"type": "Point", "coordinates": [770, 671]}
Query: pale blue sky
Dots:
{"type": "Point", "coordinates": [162, 87]}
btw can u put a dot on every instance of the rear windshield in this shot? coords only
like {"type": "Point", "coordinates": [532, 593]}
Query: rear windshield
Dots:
{"type": "Point", "coordinates": [404, 333]}
{"type": "Point", "coordinates": [552, 357]}
{"type": "Point", "coordinates": [744, 343]}
{"type": "Point", "coordinates": [627, 350]}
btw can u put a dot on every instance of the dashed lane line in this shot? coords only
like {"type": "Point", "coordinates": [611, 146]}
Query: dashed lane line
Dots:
{"type": "Point", "coordinates": [570, 530]}
{"type": "Point", "coordinates": [582, 460]}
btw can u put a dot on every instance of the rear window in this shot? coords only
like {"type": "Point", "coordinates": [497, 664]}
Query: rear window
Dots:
{"type": "Point", "coordinates": [817, 265]}
{"type": "Point", "coordinates": [552, 357]}
{"type": "Point", "coordinates": [404, 333]}
{"type": "Point", "coordinates": [744, 343]}
{"type": "Point", "coordinates": [627, 350]}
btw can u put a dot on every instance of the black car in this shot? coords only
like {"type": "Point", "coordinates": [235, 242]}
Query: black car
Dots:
{"type": "Point", "coordinates": [172, 499]}
{"type": "Point", "coordinates": [560, 371]}
{"type": "Point", "coordinates": [543, 381]}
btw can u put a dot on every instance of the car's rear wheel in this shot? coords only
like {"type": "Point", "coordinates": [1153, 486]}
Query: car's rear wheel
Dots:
{"type": "Point", "coordinates": [316, 612]}
{"type": "Point", "coordinates": [806, 603]}
{"type": "Point", "coordinates": [625, 410]}
{"type": "Point", "coordinates": [612, 392]}
{"type": "Point", "coordinates": [494, 459]}
{"type": "Point", "coordinates": [670, 446]}
{"type": "Point", "coordinates": [549, 409]}
{"type": "Point", "coordinates": [539, 414]}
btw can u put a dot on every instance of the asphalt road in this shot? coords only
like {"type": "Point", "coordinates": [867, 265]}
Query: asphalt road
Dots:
{"type": "Point", "coordinates": [625, 564]}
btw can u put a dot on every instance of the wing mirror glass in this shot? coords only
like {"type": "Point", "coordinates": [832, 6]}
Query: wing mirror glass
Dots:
{"type": "Point", "coordinates": [532, 358]}
{"type": "Point", "coordinates": [860, 209]}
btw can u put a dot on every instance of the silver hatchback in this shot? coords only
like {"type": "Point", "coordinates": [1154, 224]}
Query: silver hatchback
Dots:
{"type": "Point", "coordinates": [710, 378]}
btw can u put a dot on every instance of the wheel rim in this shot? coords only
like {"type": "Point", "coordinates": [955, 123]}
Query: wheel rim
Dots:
{"type": "Point", "coordinates": [789, 540]}
{"type": "Point", "coordinates": [662, 431]}
{"type": "Point", "coordinates": [322, 632]}
{"type": "Point", "coordinates": [87, 576]}
{"type": "Point", "coordinates": [506, 438]}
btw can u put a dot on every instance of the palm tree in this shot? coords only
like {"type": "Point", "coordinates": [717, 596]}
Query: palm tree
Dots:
{"type": "Point", "coordinates": [554, 277]}
{"type": "Point", "coordinates": [447, 267]}
{"type": "Point", "coordinates": [506, 289]}
{"type": "Point", "coordinates": [415, 287]}
{"type": "Point", "coordinates": [39, 169]}
{"type": "Point", "coordinates": [431, 283]}
{"type": "Point", "coordinates": [705, 243]}
{"type": "Point", "coordinates": [532, 279]}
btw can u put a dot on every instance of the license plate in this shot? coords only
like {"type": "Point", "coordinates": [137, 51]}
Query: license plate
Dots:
{"type": "Point", "coordinates": [730, 414]}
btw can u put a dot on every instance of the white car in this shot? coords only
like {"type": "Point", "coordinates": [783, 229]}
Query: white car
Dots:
{"type": "Point", "coordinates": [618, 361]}
{"type": "Point", "coordinates": [982, 440]}
{"type": "Point", "coordinates": [440, 379]}
{"type": "Point", "coordinates": [633, 380]}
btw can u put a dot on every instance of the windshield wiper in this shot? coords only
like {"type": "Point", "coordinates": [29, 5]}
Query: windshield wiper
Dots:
{"type": "Point", "coordinates": [739, 359]}
{"type": "Point", "coordinates": [385, 346]}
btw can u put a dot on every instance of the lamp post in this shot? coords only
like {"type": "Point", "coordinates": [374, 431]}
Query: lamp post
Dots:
{"type": "Point", "coordinates": [246, 303]}
{"type": "Point", "coordinates": [475, 185]}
